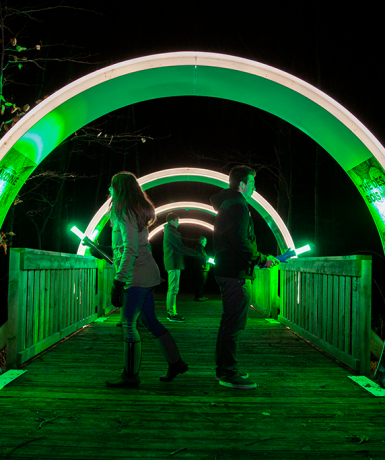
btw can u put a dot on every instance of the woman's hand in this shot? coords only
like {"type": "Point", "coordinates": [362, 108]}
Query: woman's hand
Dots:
{"type": "Point", "coordinates": [117, 293]}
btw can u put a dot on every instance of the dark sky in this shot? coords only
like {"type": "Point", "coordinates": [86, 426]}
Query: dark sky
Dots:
{"type": "Point", "coordinates": [338, 51]}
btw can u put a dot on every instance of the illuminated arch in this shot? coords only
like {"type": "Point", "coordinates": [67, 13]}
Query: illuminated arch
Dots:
{"type": "Point", "coordinates": [195, 74]}
{"type": "Point", "coordinates": [202, 223]}
{"type": "Point", "coordinates": [268, 213]}
{"type": "Point", "coordinates": [187, 205]}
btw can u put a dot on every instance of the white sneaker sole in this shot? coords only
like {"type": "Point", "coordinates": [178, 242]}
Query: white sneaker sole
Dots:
{"type": "Point", "coordinates": [250, 386]}
{"type": "Point", "coordinates": [176, 320]}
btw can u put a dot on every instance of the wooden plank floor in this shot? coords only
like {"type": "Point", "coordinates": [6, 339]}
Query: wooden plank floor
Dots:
{"type": "Point", "coordinates": [304, 405]}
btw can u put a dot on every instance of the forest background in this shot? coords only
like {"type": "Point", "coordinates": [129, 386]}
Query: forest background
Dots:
{"type": "Point", "coordinates": [46, 46]}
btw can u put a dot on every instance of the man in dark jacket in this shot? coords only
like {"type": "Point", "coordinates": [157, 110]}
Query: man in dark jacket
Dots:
{"type": "Point", "coordinates": [236, 254]}
{"type": "Point", "coordinates": [173, 251]}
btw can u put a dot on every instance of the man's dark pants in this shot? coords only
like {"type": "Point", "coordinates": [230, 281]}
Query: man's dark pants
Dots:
{"type": "Point", "coordinates": [236, 303]}
{"type": "Point", "coordinates": [200, 281]}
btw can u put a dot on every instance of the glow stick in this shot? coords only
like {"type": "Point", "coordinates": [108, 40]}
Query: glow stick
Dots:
{"type": "Point", "coordinates": [88, 242]}
{"type": "Point", "coordinates": [303, 249]}
{"type": "Point", "coordinates": [78, 232]}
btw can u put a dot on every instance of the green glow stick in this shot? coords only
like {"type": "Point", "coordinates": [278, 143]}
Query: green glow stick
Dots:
{"type": "Point", "coordinates": [78, 232]}
{"type": "Point", "coordinates": [88, 242]}
{"type": "Point", "coordinates": [303, 249]}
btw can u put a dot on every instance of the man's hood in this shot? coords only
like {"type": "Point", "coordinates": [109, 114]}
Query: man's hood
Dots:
{"type": "Point", "coordinates": [225, 194]}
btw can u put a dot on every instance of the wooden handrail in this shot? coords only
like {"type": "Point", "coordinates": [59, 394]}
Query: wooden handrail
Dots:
{"type": "Point", "coordinates": [326, 300]}
{"type": "Point", "coordinates": [51, 295]}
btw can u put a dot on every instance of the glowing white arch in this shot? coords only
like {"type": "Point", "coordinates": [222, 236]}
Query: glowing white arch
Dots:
{"type": "Point", "coordinates": [184, 59]}
{"type": "Point", "coordinates": [195, 74]}
{"type": "Point", "coordinates": [187, 205]}
{"type": "Point", "coordinates": [202, 223]}
{"type": "Point", "coordinates": [268, 213]}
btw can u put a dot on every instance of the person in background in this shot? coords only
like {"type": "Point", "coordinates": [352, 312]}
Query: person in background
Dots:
{"type": "Point", "coordinates": [173, 257]}
{"type": "Point", "coordinates": [236, 255]}
{"type": "Point", "coordinates": [201, 269]}
{"type": "Point", "coordinates": [136, 276]}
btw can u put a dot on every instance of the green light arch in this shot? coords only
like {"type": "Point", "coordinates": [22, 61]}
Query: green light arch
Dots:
{"type": "Point", "coordinates": [184, 221]}
{"type": "Point", "coordinates": [263, 207]}
{"type": "Point", "coordinates": [195, 74]}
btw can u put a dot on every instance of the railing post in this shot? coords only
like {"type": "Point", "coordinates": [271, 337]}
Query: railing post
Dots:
{"type": "Point", "coordinates": [16, 313]}
{"type": "Point", "coordinates": [365, 315]}
{"type": "Point", "coordinates": [274, 300]}
{"type": "Point", "coordinates": [101, 296]}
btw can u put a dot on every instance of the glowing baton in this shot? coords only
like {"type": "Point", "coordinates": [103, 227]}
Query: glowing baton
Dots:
{"type": "Point", "coordinates": [78, 232]}
{"type": "Point", "coordinates": [293, 252]}
{"type": "Point", "coordinates": [303, 249]}
{"type": "Point", "coordinates": [88, 242]}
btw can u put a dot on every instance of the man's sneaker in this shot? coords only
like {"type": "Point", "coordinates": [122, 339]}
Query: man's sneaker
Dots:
{"type": "Point", "coordinates": [200, 299]}
{"type": "Point", "coordinates": [238, 382]}
{"type": "Point", "coordinates": [176, 318]}
{"type": "Point", "coordinates": [243, 375]}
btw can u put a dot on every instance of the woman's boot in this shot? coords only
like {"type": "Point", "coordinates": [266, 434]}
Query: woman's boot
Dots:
{"type": "Point", "coordinates": [170, 351]}
{"type": "Point", "coordinates": [130, 375]}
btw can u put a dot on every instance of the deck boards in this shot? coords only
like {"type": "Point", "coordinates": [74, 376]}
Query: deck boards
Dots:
{"type": "Point", "coordinates": [304, 405]}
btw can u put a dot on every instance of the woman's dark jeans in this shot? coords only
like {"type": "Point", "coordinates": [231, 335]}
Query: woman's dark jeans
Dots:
{"type": "Point", "coordinates": [140, 302]}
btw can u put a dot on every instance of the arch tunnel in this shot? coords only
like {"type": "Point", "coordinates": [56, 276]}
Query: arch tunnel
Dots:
{"type": "Point", "coordinates": [195, 74]}
{"type": "Point", "coordinates": [267, 212]}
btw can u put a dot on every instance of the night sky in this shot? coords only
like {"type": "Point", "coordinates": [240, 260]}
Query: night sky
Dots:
{"type": "Point", "coordinates": [338, 51]}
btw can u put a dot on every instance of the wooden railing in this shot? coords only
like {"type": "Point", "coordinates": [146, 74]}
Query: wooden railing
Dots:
{"type": "Point", "coordinates": [51, 295]}
{"type": "Point", "coordinates": [325, 300]}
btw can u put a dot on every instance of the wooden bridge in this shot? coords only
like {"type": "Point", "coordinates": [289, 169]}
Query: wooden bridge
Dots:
{"type": "Point", "coordinates": [304, 406]}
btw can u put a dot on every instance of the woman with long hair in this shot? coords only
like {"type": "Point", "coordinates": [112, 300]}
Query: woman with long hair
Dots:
{"type": "Point", "coordinates": [136, 276]}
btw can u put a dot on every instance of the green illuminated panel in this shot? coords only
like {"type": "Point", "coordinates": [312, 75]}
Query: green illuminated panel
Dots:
{"type": "Point", "coordinates": [369, 178]}
{"type": "Point", "coordinates": [14, 171]}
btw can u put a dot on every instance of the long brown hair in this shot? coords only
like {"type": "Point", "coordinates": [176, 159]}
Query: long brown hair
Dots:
{"type": "Point", "coordinates": [129, 198]}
